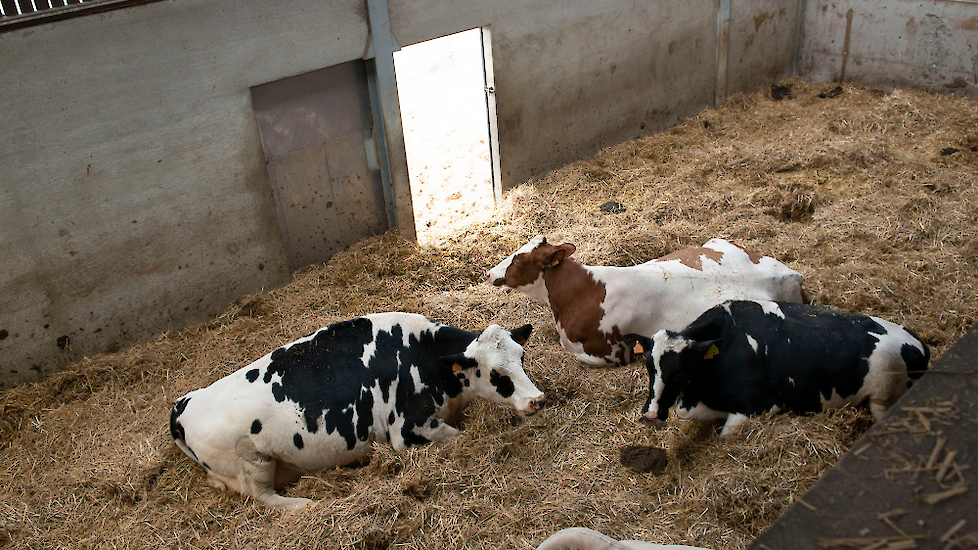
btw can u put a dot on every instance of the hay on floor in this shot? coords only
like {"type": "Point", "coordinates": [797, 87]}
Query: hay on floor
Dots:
{"type": "Point", "coordinates": [861, 193]}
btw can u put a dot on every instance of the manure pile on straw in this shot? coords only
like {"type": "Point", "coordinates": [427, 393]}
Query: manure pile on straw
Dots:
{"type": "Point", "coordinates": [871, 196]}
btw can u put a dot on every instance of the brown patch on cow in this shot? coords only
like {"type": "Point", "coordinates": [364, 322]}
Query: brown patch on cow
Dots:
{"type": "Point", "coordinates": [693, 257]}
{"type": "Point", "coordinates": [575, 298]}
{"type": "Point", "coordinates": [751, 255]}
{"type": "Point", "coordinates": [525, 268]}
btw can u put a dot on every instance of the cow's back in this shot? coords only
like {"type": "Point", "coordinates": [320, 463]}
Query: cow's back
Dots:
{"type": "Point", "coordinates": [324, 396]}
{"type": "Point", "coordinates": [672, 291]}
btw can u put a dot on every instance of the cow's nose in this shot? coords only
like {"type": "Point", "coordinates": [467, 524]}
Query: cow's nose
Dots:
{"type": "Point", "coordinates": [650, 419]}
{"type": "Point", "coordinates": [539, 403]}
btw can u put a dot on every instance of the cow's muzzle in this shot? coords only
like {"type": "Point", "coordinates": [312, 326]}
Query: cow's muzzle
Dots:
{"type": "Point", "coordinates": [651, 420]}
{"type": "Point", "coordinates": [534, 406]}
{"type": "Point", "coordinates": [495, 282]}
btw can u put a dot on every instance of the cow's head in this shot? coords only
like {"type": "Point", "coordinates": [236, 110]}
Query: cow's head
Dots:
{"type": "Point", "coordinates": [672, 363]}
{"type": "Point", "coordinates": [492, 365]}
{"type": "Point", "coordinates": [523, 269]}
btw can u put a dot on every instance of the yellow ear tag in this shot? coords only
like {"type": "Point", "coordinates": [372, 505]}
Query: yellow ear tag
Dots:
{"type": "Point", "coordinates": [711, 352]}
{"type": "Point", "coordinates": [457, 368]}
{"type": "Point", "coordinates": [638, 348]}
{"type": "Point", "coordinates": [554, 264]}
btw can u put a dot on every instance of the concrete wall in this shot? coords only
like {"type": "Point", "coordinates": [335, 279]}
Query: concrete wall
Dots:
{"type": "Point", "coordinates": [134, 195]}
{"type": "Point", "coordinates": [923, 44]}
{"type": "Point", "coordinates": [591, 73]}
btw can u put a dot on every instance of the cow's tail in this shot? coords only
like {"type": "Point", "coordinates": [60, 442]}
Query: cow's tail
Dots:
{"type": "Point", "coordinates": [916, 358]}
{"type": "Point", "coordinates": [176, 428]}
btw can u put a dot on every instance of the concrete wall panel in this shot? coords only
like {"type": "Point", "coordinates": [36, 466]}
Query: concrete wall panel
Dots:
{"type": "Point", "coordinates": [135, 196]}
{"type": "Point", "coordinates": [923, 44]}
{"type": "Point", "coordinates": [763, 42]}
{"type": "Point", "coordinates": [581, 76]}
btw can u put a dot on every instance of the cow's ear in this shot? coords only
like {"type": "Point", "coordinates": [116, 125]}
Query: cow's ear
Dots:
{"type": "Point", "coordinates": [522, 334]}
{"type": "Point", "coordinates": [709, 348]}
{"type": "Point", "coordinates": [561, 252]}
{"type": "Point", "coordinates": [638, 344]}
{"type": "Point", "coordinates": [458, 362]}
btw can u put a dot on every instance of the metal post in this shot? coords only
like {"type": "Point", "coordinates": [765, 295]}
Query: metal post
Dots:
{"type": "Point", "coordinates": [723, 49]}
{"type": "Point", "coordinates": [383, 89]}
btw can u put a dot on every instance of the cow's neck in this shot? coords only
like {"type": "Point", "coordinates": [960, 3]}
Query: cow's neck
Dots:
{"type": "Point", "coordinates": [570, 286]}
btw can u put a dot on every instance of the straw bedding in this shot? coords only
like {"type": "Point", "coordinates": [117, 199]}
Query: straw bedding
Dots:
{"type": "Point", "coordinates": [859, 192]}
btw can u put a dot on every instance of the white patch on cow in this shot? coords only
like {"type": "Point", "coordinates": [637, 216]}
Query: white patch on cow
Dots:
{"type": "Point", "coordinates": [699, 412]}
{"type": "Point", "coordinates": [771, 308]}
{"type": "Point", "coordinates": [416, 378]}
{"type": "Point", "coordinates": [577, 349]}
{"type": "Point", "coordinates": [733, 420]}
{"type": "Point", "coordinates": [887, 378]}
{"type": "Point", "coordinates": [752, 342]}
{"type": "Point", "coordinates": [791, 381]}
{"type": "Point", "coordinates": [662, 343]}
{"type": "Point", "coordinates": [835, 400]}
{"type": "Point", "coordinates": [537, 290]}
{"type": "Point", "coordinates": [411, 324]}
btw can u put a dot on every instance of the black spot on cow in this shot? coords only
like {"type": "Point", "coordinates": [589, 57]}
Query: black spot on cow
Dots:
{"type": "Point", "coordinates": [478, 373]}
{"type": "Point", "coordinates": [504, 384]}
{"type": "Point", "coordinates": [252, 375]}
{"type": "Point", "coordinates": [325, 376]}
{"type": "Point", "coordinates": [256, 427]}
{"type": "Point", "coordinates": [176, 429]}
{"type": "Point", "coordinates": [278, 392]}
{"type": "Point", "coordinates": [915, 360]}
{"type": "Point", "coordinates": [433, 424]}
{"type": "Point", "coordinates": [297, 440]}
{"type": "Point", "coordinates": [390, 418]}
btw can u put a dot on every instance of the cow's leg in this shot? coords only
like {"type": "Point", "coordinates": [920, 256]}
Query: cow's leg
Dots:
{"type": "Point", "coordinates": [437, 429]}
{"type": "Point", "coordinates": [257, 478]}
{"type": "Point", "coordinates": [878, 407]}
{"type": "Point", "coordinates": [733, 420]}
{"type": "Point", "coordinates": [699, 412]}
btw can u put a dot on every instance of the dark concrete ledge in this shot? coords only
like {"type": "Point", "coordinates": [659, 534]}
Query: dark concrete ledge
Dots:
{"type": "Point", "coordinates": [909, 482]}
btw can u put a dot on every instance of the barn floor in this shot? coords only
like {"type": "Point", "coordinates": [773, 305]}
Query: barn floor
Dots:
{"type": "Point", "coordinates": [872, 196]}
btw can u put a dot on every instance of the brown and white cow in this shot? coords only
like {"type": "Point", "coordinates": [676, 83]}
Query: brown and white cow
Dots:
{"type": "Point", "coordinates": [594, 306]}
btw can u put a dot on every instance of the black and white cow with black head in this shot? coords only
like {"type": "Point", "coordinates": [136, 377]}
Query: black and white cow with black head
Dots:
{"type": "Point", "coordinates": [747, 357]}
{"type": "Point", "coordinates": [321, 400]}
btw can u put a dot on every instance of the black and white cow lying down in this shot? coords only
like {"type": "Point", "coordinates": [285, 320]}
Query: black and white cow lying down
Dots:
{"type": "Point", "coordinates": [320, 401]}
{"type": "Point", "coordinates": [746, 357]}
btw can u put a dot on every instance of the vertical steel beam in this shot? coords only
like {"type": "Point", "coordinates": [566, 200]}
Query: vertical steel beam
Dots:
{"type": "Point", "coordinates": [723, 49]}
{"type": "Point", "coordinates": [383, 91]}
{"type": "Point", "coordinates": [490, 86]}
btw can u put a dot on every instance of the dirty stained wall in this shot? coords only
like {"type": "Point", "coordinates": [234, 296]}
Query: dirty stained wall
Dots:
{"type": "Point", "coordinates": [573, 80]}
{"type": "Point", "coordinates": [923, 44]}
{"type": "Point", "coordinates": [134, 197]}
